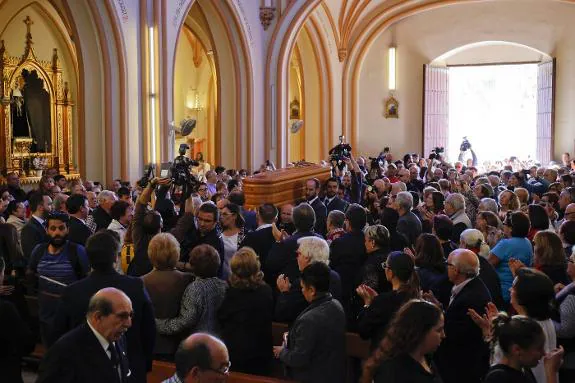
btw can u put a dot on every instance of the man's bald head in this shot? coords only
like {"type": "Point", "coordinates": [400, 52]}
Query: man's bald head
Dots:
{"type": "Point", "coordinates": [464, 264]}
{"type": "Point", "coordinates": [570, 212]}
{"type": "Point", "coordinates": [201, 354]}
{"type": "Point", "coordinates": [110, 313]}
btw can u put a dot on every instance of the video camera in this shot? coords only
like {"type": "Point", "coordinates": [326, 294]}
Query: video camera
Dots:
{"type": "Point", "coordinates": [180, 172]}
{"type": "Point", "coordinates": [340, 152]}
{"type": "Point", "coordinates": [148, 175]}
{"type": "Point", "coordinates": [436, 153]}
{"type": "Point", "coordinates": [465, 145]}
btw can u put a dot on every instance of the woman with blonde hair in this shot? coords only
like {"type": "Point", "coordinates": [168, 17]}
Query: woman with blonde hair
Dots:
{"type": "Point", "coordinates": [549, 257]}
{"type": "Point", "coordinates": [166, 286]}
{"type": "Point", "coordinates": [246, 314]}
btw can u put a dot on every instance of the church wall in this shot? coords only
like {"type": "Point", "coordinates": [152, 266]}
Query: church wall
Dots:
{"type": "Point", "coordinates": [422, 38]}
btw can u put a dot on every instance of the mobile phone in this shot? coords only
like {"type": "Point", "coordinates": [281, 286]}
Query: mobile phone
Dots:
{"type": "Point", "coordinates": [165, 170]}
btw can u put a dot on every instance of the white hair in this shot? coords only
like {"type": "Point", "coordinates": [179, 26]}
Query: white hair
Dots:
{"type": "Point", "coordinates": [399, 186]}
{"type": "Point", "coordinates": [473, 239]}
{"type": "Point", "coordinates": [404, 200]}
{"type": "Point", "coordinates": [456, 200]}
{"type": "Point", "coordinates": [490, 205]}
{"type": "Point", "coordinates": [106, 195]}
{"type": "Point", "coordinates": [314, 248]}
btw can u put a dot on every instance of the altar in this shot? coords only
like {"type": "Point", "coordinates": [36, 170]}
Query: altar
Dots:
{"type": "Point", "coordinates": [282, 186]}
{"type": "Point", "coordinates": [36, 122]}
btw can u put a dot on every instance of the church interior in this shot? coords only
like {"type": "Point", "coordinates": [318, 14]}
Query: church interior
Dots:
{"type": "Point", "coordinates": [102, 91]}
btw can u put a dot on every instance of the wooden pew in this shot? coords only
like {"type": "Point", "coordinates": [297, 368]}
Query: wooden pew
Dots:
{"type": "Point", "coordinates": [163, 370]}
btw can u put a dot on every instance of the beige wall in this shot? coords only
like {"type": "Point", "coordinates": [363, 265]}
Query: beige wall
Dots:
{"type": "Point", "coordinates": [545, 26]}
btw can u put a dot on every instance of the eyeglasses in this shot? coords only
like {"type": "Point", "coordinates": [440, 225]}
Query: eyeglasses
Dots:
{"type": "Point", "coordinates": [223, 370]}
{"type": "Point", "coordinates": [125, 315]}
{"type": "Point", "coordinates": [202, 189]}
{"type": "Point", "coordinates": [448, 264]}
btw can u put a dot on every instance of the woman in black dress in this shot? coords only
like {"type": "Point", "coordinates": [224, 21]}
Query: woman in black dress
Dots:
{"type": "Point", "coordinates": [402, 356]}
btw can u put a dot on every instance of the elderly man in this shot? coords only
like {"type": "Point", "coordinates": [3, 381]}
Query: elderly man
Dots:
{"type": "Point", "coordinates": [100, 217]}
{"type": "Point", "coordinates": [463, 356]}
{"type": "Point", "coordinates": [408, 224]}
{"type": "Point", "coordinates": [455, 210]}
{"type": "Point", "coordinates": [315, 347]}
{"type": "Point", "coordinates": [398, 187]}
{"type": "Point", "coordinates": [291, 302]}
{"type": "Point", "coordinates": [201, 358]}
{"type": "Point", "coordinates": [94, 351]}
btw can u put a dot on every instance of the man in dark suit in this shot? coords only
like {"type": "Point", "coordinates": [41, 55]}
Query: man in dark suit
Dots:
{"type": "Point", "coordinates": [463, 355]}
{"type": "Point", "coordinates": [332, 201]}
{"type": "Point", "coordinates": [408, 224]}
{"type": "Point", "coordinates": [263, 238]}
{"type": "Point", "coordinates": [312, 187]}
{"type": "Point", "coordinates": [315, 348]}
{"type": "Point", "coordinates": [102, 249]}
{"type": "Point", "coordinates": [239, 199]}
{"type": "Point", "coordinates": [348, 254]}
{"type": "Point", "coordinates": [34, 232]}
{"type": "Point", "coordinates": [282, 258]}
{"type": "Point", "coordinates": [93, 352]}
{"type": "Point", "coordinates": [100, 217]}
{"type": "Point", "coordinates": [78, 209]}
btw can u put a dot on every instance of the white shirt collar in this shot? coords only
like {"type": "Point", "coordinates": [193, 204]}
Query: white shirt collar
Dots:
{"type": "Point", "coordinates": [264, 226]}
{"type": "Point", "coordinates": [457, 288]}
{"type": "Point", "coordinates": [328, 200]}
{"type": "Point", "coordinates": [40, 220]}
{"type": "Point", "coordinates": [313, 200]}
{"type": "Point", "coordinates": [103, 341]}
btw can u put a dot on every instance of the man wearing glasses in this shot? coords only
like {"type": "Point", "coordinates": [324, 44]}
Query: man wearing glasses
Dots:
{"type": "Point", "coordinates": [201, 358]}
{"type": "Point", "coordinates": [94, 351]}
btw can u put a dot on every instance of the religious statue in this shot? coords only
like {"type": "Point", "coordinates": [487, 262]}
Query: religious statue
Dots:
{"type": "Point", "coordinates": [19, 113]}
{"type": "Point", "coordinates": [37, 105]}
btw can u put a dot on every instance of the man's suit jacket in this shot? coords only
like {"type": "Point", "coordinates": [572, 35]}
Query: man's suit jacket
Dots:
{"type": "Point", "coordinates": [78, 231]}
{"type": "Point", "coordinates": [410, 226]}
{"type": "Point", "coordinates": [33, 233]}
{"type": "Point", "coordinates": [336, 204]}
{"type": "Point", "coordinates": [320, 217]}
{"type": "Point", "coordinates": [282, 258]}
{"type": "Point", "coordinates": [250, 220]}
{"type": "Point", "coordinates": [140, 337]}
{"type": "Point", "coordinates": [17, 341]}
{"type": "Point", "coordinates": [261, 241]}
{"type": "Point", "coordinates": [78, 357]}
{"type": "Point", "coordinates": [463, 355]}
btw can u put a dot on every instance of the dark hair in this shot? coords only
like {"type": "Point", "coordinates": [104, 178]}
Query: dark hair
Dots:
{"type": "Point", "coordinates": [438, 201]}
{"type": "Point", "coordinates": [317, 275]}
{"type": "Point", "coordinates": [567, 231]}
{"type": "Point", "coordinates": [519, 330]}
{"type": "Point", "coordinates": [490, 217]}
{"type": "Point", "coordinates": [102, 249]}
{"type": "Point", "coordinates": [415, 197]}
{"type": "Point", "coordinates": [220, 169]}
{"type": "Point", "coordinates": [268, 212]}
{"type": "Point", "coordinates": [333, 179]}
{"type": "Point", "coordinates": [2, 265]}
{"type": "Point", "coordinates": [152, 222]}
{"type": "Point", "coordinates": [205, 261]}
{"type": "Point", "coordinates": [443, 226]}
{"type": "Point", "coordinates": [75, 203]}
{"type": "Point", "coordinates": [100, 304]}
{"type": "Point", "coordinates": [196, 356]}
{"type": "Point", "coordinates": [232, 184]}
{"type": "Point", "coordinates": [406, 332]}
{"type": "Point", "coordinates": [303, 217]}
{"type": "Point", "coordinates": [356, 216]}
{"type": "Point", "coordinates": [10, 248]}
{"type": "Point", "coordinates": [13, 206]}
{"type": "Point", "coordinates": [57, 216]}
{"type": "Point", "coordinates": [403, 268]}
{"type": "Point", "coordinates": [36, 200]}
{"type": "Point", "coordinates": [123, 191]}
{"type": "Point", "coordinates": [571, 191]}
{"type": "Point", "coordinates": [235, 209]}
{"type": "Point", "coordinates": [238, 197]}
{"type": "Point", "coordinates": [538, 217]}
{"type": "Point", "coordinates": [429, 253]}
{"type": "Point", "coordinates": [210, 208]}
{"type": "Point", "coordinates": [519, 223]}
{"type": "Point", "coordinates": [534, 291]}
{"type": "Point", "coordinates": [118, 209]}
{"type": "Point", "coordinates": [58, 177]}
{"type": "Point", "coordinates": [567, 180]}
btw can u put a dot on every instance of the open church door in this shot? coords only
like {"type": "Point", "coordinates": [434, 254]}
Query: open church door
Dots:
{"type": "Point", "coordinates": [545, 110]}
{"type": "Point", "coordinates": [435, 108]}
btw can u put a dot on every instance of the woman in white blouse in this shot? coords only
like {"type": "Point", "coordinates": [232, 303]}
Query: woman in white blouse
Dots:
{"type": "Point", "coordinates": [232, 223]}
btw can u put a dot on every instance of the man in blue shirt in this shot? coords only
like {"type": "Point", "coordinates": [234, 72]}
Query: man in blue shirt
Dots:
{"type": "Point", "coordinates": [56, 265]}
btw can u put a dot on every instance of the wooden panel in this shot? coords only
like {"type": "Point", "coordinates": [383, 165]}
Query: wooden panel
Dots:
{"type": "Point", "coordinates": [281, 186]}
{"type": "Point", "coordinates": [435, 108]}
{"type": "Point", "coordinates": [545, 110]}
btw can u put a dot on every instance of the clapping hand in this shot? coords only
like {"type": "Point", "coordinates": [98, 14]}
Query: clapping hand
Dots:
{"type": "Point", "coordinates": [283, 283]}
{"type": "Point", "coordinates": [553, 360]}
{"type": "Point", "coordinates": [514, 265]}
{"type": "Point", "coordinates": [430, 297]}
{"type": "Point", "coordinates": [366, 293]}
{"type": "Point", "coordinates": [484, 321]}
{"type": "Point", "coordinates": [277, 350]}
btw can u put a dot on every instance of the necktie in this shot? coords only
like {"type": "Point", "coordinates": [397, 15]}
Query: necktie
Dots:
{"type": "Point", "coordinates": [113, 355]}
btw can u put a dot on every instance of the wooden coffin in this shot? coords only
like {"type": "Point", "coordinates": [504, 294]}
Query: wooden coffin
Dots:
{"type": "Point", "coordinates": [281, 186]}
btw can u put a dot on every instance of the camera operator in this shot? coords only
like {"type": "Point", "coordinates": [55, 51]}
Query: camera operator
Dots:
{"type": "Point", "coordinates": [463, 149]}
{"type": "Point", "coordinates": [352, 181]}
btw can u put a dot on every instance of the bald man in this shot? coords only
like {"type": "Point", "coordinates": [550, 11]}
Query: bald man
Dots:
{"type": "Point", "coordinates": [569, 212]}
{"type": "Point", "coordinates": [93, 352]}
{"type": "Point", "coordinates": [201, 358]}
{"type": "Point", "coordinates": [463, 355]}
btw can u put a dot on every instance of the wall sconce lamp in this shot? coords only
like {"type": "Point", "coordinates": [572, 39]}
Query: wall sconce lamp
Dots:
{"type": "Point", "coordinates": [391, 67]}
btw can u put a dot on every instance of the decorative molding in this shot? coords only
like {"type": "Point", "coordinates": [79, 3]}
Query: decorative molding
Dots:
{"type": "Point", "coordinates": [267, 14]}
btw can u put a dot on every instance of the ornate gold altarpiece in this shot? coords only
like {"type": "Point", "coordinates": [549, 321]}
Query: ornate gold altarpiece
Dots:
{"type": "Point", "coordinates": [15, 153]}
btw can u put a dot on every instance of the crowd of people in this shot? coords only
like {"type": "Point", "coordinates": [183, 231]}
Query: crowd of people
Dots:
{"type": "Point", "coordinates": [453, 273]}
